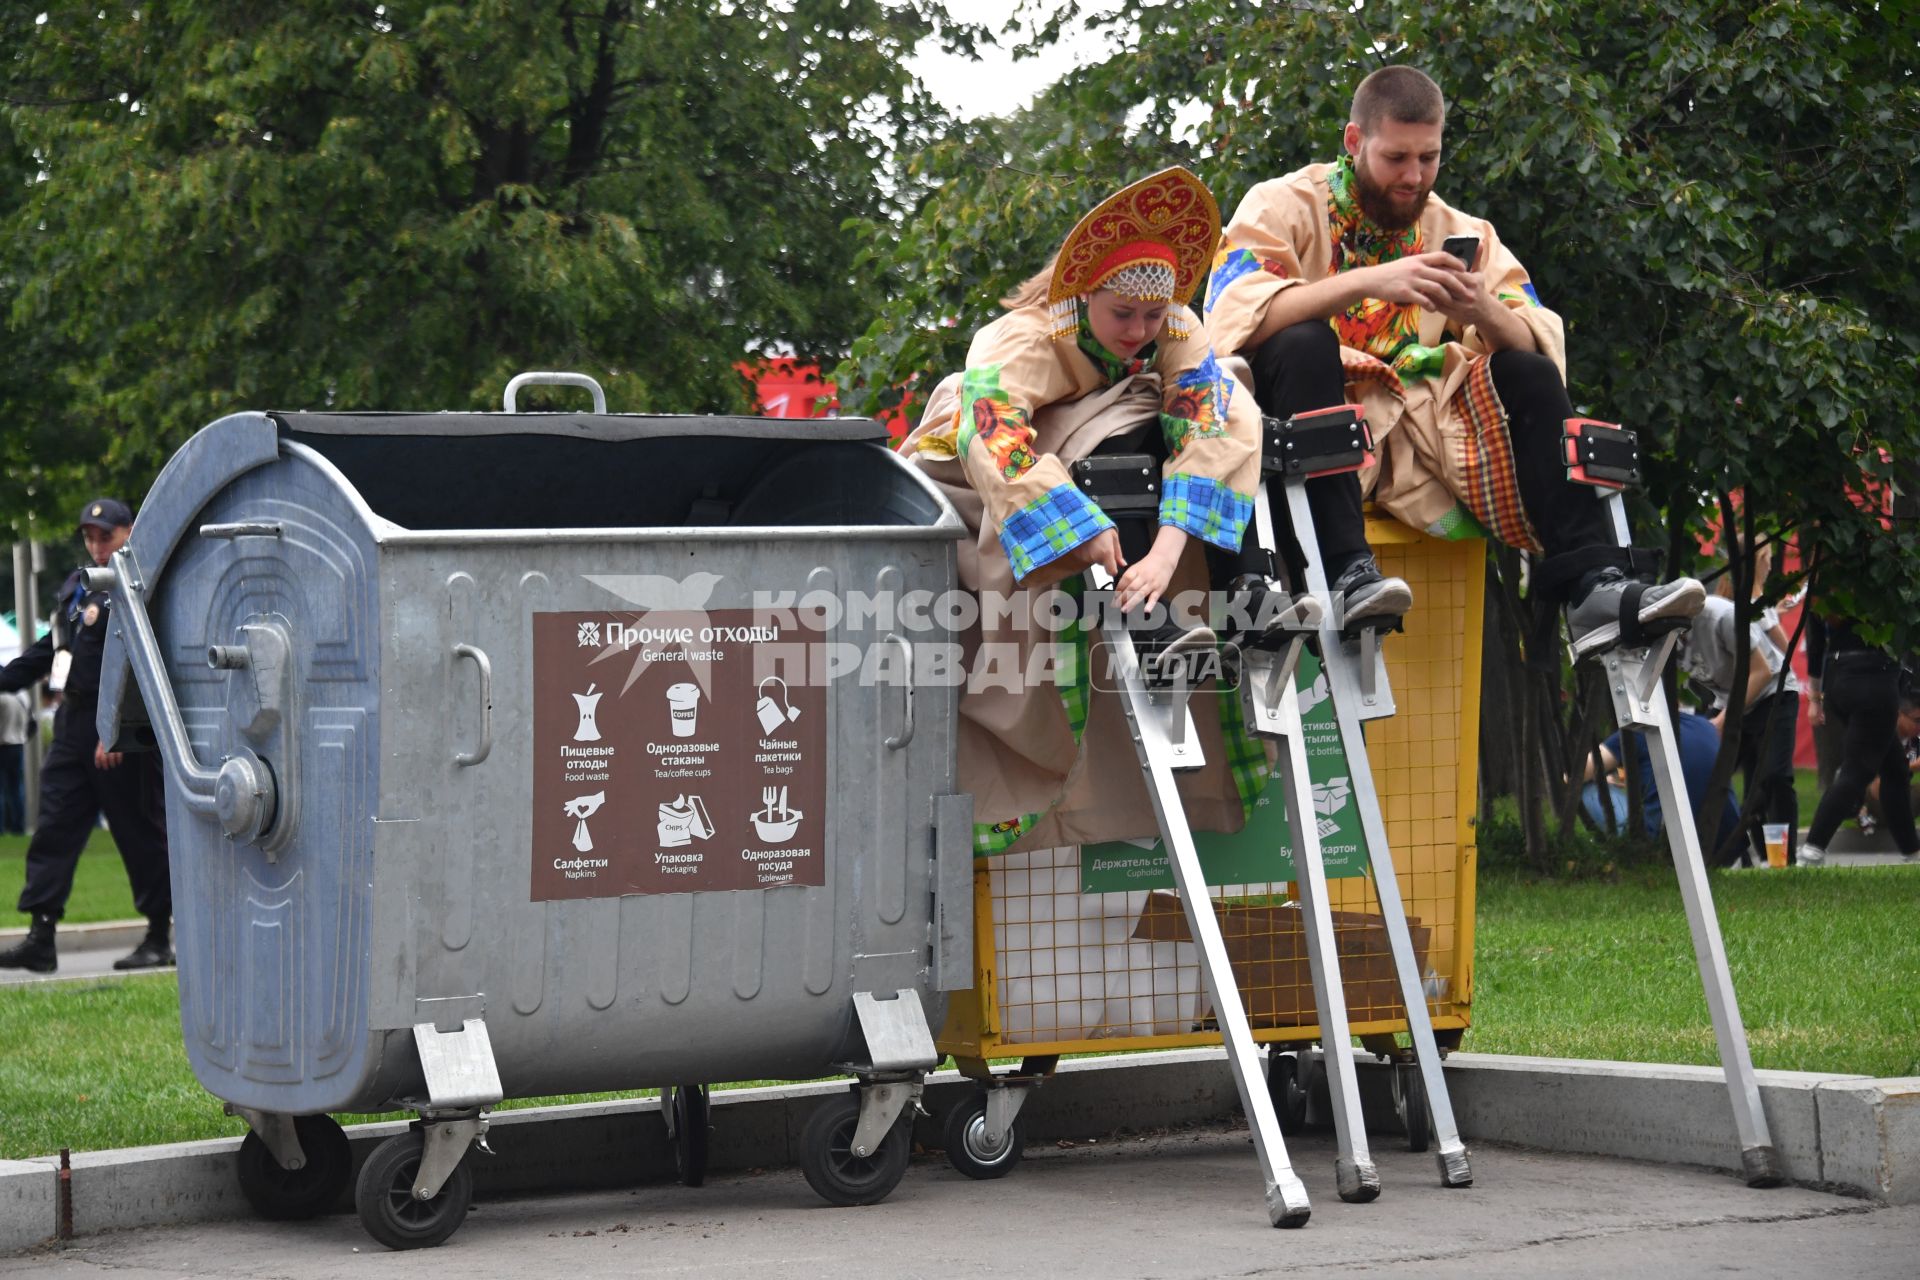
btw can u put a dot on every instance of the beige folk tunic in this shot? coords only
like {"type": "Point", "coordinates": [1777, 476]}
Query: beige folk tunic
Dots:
{"type": "Point", "coordinates": [1446, 463]}
{"type": "Point", "coordinates": [1048, 764]}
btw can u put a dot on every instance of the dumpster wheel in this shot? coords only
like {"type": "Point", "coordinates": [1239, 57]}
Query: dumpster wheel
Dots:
{"type": "Point", "coordinates": [967, 1147]}
{"type": "Point", "coordinates": [1410, 1100]}
{"type": "Point", "coordinates": [827, 1159]}
{"type": "Point", "coordinates": [1288, 1091]}
{"type": "Point", "coordinates": [285, 1195]}
{"type": "Point", "coordinates": [384, 1196]}
{"type": "Point", "coordinates": [692, 1112]}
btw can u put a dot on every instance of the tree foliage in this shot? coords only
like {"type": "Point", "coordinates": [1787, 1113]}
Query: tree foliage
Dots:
{"type": "Point", "coordinates": [1718, 196]}
{"type": "Point", "coordinates": [215, 204]}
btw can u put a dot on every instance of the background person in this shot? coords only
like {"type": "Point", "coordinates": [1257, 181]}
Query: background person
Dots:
{"type": "Point", "coordinates": [1859, 690]}
{"type": "Point", "coordinates": [81, 780]}
{"type": "Point", "coordinates": [1699, 743]}
{"type": "Point", "coordinates": [1333, 283]}
{"type": "Point", "coordinates": [1907, 729]}
{"type": "Point", "coordinates": [1709, 655]}
{"type": "Point", "coordinates": [16, 727]}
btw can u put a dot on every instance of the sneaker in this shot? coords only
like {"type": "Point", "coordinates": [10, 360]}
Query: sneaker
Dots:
{"type": "Point", "coordinates": [1367, 595]}
{"type": "Point", "coordinates": [1170, 650]}
{"type": "Point", "coordinates": [1812, 855]}
{"type": "Point", "coordinates": [1261, 613]}
{"type": "Point", "coordinates": [1593, 624]}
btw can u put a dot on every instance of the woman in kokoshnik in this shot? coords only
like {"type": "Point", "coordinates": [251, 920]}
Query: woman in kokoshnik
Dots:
{"type": "Point", "coordinates": [1096, 354]}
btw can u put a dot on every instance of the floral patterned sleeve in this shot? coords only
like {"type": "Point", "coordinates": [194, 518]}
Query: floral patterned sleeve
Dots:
{"type": "Point", "coordinates": [1259, 256]}
{"type": "Point", "coordinates": [1212, 430]}
{"type": "Point", "coordinates": [1013, 371]}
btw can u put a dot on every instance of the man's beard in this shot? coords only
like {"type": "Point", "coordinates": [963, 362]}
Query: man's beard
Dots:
{"type": "Point", "coordinates": [1378, 203]}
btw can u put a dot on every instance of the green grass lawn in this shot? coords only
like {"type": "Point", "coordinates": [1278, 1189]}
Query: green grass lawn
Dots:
{"type": "Point", "coordinates": [100, 890]}
{"type": "Point", "coordinates": [1823, 961]}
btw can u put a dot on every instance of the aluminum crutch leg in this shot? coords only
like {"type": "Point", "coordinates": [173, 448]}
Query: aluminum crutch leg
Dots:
{"type": "Point", "coordinates": [1272, 710]}
{"type": "Point", "coordinates": [1149, 717]}
{"type": "Point", "coordinates": [1640, 702]}
{"type": "Point", "coordinates": [1350, 688]}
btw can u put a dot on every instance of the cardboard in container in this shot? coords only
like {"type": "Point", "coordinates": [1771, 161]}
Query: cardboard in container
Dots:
{"type": "Point", "coordinates": [1267, 948]}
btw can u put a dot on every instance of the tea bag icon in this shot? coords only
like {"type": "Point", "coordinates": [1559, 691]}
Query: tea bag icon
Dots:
{"type": "Point", "coordinates": [584, 807]}
{"type": "Point", "coordinates": [773, 714]}
{"type": "Point", "coordinates": [589, 703]}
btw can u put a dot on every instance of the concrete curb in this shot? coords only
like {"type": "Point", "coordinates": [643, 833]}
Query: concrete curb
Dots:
{"type": "Point", "coordinates": [1853, 1133]}
{"type": "Point", "coordinates": [121, 935]}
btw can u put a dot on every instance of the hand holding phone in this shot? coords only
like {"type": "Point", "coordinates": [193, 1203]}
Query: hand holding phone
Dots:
{"type": "Point", "coordinates": [1465, 248]}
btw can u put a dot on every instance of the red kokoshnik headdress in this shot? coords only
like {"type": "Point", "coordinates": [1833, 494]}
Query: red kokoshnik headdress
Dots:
{"type": "Point", "coordinates": [1161, 229]}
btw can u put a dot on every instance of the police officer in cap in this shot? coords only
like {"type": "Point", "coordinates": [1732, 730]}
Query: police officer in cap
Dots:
{"type": "Point", "coordinates": [81, 779]}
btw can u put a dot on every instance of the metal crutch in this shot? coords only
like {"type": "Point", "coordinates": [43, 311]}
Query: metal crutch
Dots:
{"type": "Point", "coordinates": [1163, 738]}
{"type": "Point", "coordinates": [1607, 457]}
{"type": "Point", "coordinates": [1271, 704]}
{"type": "Point", "coordinates": [1319, 443]}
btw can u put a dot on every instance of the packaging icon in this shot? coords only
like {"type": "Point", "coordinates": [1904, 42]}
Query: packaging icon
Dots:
{"type": "Point", "coordinates": [682, 821]}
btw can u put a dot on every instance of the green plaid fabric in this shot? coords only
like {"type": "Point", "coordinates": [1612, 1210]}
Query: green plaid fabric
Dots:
{"type": "Point", "coordinates": [1206, 509]}
{"type": "Point", "coordinates": [1246, 754]}
{"type": "Point", "coordinates": [1050, 526]}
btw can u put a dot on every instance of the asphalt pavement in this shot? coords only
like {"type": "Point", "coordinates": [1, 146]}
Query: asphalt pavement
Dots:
{"type": "Point", "coordinates": [1171, 1206]}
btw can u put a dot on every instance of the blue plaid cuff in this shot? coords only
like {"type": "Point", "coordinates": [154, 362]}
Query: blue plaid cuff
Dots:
{"type": "Point", "coordinates": [1206, 509]}
{"type": "Point", "coordinates": [1044, 530]}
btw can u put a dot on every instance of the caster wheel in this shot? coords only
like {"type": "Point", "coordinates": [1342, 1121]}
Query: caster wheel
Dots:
{"type": "Point", "coordinates": [285, 1195]}
{"type": "Point", "coordinates": [384, 1196]}
{"type": "Point", "coordinates": [827, 1159]}
{"type": "Point", "coordinates": [1289, 1093]}
{"type": "Point", "coordinates": [968, 1149]}
{"type": "Point", "coordinates": [1410, 1100]}
{"type": "Point", "coordinates": [692, 1112]}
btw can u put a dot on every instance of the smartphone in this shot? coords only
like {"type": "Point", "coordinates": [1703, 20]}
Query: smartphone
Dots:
{"type": "Point", "coordinates": [1465, 248]}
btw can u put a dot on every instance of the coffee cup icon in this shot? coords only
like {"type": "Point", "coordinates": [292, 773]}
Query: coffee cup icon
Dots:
{"type": "Point", "coordinates": [773, 715]}
{"type": "Point", "coordinates": [683, 708]}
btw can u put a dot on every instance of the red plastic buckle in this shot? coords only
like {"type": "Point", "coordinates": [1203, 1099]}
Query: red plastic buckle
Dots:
{"type": "Point", "coordinates": [1602, 454]}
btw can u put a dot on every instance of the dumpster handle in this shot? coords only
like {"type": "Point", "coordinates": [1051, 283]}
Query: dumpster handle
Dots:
{"type": "Point", "coordinates": [554, 380]}
{"type": "Point", "coordinates": [905, 735]}
{"type": "Point", "coordinates": [239, 793]}
{"type": "Point", "coordinates": [485, 748]}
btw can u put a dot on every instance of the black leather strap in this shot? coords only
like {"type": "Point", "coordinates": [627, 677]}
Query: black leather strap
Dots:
{"type": "Point", "coordinates": [1632, 635]}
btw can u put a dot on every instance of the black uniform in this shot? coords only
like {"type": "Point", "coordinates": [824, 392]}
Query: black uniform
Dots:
{"type": "Point", "coordinates": [73, 792]}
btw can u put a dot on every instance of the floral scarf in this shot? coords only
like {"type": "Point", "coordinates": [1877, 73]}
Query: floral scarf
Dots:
{"type": "Point", "coordinates": [1388, 330]}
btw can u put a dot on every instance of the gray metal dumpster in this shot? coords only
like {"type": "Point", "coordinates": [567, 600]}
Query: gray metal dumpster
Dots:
{"type": "Point", "coordinates": [519, 754]}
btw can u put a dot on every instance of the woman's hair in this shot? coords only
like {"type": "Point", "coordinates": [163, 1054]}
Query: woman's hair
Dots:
{"type": "Point", "coordinates": [1033, 293]}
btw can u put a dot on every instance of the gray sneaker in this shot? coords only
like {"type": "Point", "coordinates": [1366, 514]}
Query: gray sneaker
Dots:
{"type": "Point", "coordinates": [1812, 855]}
{"type": "Point", "coordinates": [1366, 595]}
{"type": "Point", "coordinates": [1593, 625]}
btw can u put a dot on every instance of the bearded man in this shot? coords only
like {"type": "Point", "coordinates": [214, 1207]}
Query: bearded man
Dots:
{"type": "Point", "coordinates": [1334, 284]}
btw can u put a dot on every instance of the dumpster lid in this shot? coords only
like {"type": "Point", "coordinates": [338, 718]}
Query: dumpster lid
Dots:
{"type": "Point", "coordinates": [586, 426]}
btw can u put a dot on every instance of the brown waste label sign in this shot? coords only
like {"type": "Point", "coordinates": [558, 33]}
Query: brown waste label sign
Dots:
{"type": "Point", "coordinates": [667, 760]}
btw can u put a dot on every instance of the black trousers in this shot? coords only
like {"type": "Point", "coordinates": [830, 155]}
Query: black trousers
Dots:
{"type": "Point", "coordinates": [1299, 369]}
{"type": "Point", "coordinates": [1766, 765]}
{"type": "Point", "coordinates": [1862, 697]}
{"type": "Point", "coordinates": [73, 795]}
